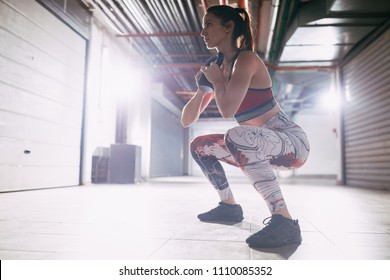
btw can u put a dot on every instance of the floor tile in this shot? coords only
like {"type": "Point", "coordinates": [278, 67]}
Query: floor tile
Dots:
{"type": "Point", "coordinates": [158, 220]}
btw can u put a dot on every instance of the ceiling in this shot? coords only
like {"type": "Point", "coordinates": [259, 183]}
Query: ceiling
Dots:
{"type": "Point", "coordinates": [301, 41]}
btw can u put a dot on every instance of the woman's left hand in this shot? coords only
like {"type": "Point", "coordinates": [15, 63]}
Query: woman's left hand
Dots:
{"type": "Point", "coordinates": [213, 73]}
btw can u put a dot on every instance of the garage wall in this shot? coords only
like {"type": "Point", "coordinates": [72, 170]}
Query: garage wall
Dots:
{"type": "Point", "coordinates": [41, 98]}
{"type": "Point", "coordinates": [111, 82]}
{"type": "Point", "coordinates": [366, 116]}
{"type": "Point", "coordinates": [167, 139]}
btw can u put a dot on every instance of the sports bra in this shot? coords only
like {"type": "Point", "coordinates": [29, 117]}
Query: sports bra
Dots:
{"type": "Point", "coordinates": [256, 101]}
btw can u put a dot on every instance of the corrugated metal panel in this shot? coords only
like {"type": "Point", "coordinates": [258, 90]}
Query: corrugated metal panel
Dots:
{"type": "Point", "coordinates": [367, 116]}
{"type": "Point", "coordinates": [41, 98]}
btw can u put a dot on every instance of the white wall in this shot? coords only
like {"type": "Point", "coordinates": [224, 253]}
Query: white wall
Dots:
{"type": "Point", "coordinates": [116, 75]}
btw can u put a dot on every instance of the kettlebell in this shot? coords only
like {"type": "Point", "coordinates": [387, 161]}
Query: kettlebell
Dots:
{"type": "Point", "coordinates": [203, 83]}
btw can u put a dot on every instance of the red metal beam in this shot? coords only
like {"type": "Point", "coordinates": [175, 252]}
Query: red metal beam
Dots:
{"type": "Point", "coordinates": [259, 6]}
{"type": "Point", "coordinates": [243, 4]}
{"type": "Point", "coordinates": [204, 5]}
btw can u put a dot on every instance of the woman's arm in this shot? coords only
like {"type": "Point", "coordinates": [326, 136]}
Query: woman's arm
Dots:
{"type": "Point", "coordinates": [195, 107]}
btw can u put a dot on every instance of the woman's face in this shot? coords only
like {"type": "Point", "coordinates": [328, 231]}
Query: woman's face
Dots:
{"type": "Point", "coordinates": [214, 33]}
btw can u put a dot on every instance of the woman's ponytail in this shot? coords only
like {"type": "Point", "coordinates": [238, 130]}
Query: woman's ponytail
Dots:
{"type": "Point", "coordinates": [246, 42]}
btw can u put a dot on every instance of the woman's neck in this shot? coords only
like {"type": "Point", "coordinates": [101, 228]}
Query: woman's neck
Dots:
{"type": "Point", "coordinates": [230, 56]}
{"type": "Point", "coordinates": [228, 52]}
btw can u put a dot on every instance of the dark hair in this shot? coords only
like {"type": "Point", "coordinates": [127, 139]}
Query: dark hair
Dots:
{"type": "Point", "coordinates": [242, 24]}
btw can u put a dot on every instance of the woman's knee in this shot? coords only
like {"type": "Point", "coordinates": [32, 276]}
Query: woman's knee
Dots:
{"type": "Point", "coordinates": [198, 144]}
{"type": "Point", "coordinates": [195, 144]}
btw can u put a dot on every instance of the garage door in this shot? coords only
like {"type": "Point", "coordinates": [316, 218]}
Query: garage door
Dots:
{"type": "Point", "coordinates": [367, 114]}
{"type": "Point", "coordinates": [41, 98]}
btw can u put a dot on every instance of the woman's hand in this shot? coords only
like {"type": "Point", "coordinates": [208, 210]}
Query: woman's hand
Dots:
{"type": "Point", "coordinates": [213, 73]}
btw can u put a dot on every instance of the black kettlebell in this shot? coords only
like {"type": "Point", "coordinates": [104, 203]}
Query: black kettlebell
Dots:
{"type": "Point", "coordinates": [203, 83]}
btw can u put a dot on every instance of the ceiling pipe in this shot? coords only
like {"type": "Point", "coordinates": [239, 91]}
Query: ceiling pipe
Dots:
{"type": "Point", "coordinates": [274, 12]}
{"type": "Point", "coordinates": [243, 4]}
{"type": "Point", "coordinates": [259, 6]}
{"type": "Point", "coordinates": [204, 5]}
{"type": "Point", "coordinates": [285, 16]}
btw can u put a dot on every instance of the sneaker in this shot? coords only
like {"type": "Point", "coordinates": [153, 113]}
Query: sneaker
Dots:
{"type": "Point", "coordinates": [223, 213]}
{"type": "Point", "coordinates": [279, 231]}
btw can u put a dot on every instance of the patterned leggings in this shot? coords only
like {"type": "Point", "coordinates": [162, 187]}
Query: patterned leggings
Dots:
{"type": "Point", "coordinates": [278, 144]}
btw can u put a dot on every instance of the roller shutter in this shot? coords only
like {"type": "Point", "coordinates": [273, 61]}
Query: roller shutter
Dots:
{"type": "Point", "coordinates": [366, 116]}
{"type": "Point", "coordinates": [41, 98]}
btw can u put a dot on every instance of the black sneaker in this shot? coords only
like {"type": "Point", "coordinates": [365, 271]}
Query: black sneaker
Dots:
{"type": "Point", "coordinates": [279, 231]}
{"type": "Point", "coordinates": [223, 213]}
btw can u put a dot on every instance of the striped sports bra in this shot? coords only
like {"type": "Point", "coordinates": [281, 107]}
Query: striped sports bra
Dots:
{"type": "Point", "coordinates": [256, 103]}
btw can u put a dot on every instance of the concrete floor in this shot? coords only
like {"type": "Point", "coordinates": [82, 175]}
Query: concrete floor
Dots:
{"type": "Point", "coordinates": [157, 220]}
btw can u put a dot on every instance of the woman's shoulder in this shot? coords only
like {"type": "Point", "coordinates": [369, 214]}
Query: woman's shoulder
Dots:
{"type": "Point", "coordinates": [249, 56]}
{"type": "Point", "coordinates": [251, 60]}
{"type": "Point", "coordinates": [248, 53]}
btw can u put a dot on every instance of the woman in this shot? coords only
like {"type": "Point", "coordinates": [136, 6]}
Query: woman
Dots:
{"type": "Point", "coordinates": [265, 137]}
